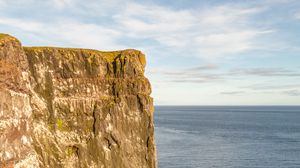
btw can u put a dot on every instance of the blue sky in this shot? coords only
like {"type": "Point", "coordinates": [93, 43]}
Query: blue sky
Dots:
{"type": "Point", "coordinates": [198, 52]}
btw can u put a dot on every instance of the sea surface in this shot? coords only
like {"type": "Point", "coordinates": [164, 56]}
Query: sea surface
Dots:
{"type": "Point", "coordinates": [228, 136]}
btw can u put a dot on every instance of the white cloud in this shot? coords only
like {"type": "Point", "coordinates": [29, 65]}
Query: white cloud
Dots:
{"type": "Point", "coordinates": [89, 35]}
{"type": "Point", "coordinates": [297, 16]}
{"type": "Point", "coordinates": [60, 4]}
{"type": "Point", "coordinates": [2, 3]}
{"type": "Point", "coordinates": [214, 32]}
{"type": "Point", "coordinates": [228, 42]}
{"type": "Point", "coordinates": [208, 32]}
{"type": "Point", "coordinates": [292, 92]}
{"type": "Point", "coordinates": [226, 15]}
{"type": "Point", "coordinates": [22, 24]}
{"type": "Point", "coordinates": [16, 3]}
{"type": "Point", "coordinates": [74, 34]}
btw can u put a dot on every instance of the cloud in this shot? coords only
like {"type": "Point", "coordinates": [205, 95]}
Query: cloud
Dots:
{"type": "Point", "coordinates": [222, 15]}
{"type": "Point", "coordinates": [190, 77]}
{"type": "Point", "coordinates": [232, 92]}
{"type": "Point", "coordinates": [263, 86]}
{"type": "Point", "coordinates": [197, 81]}
{"type": "Point", "coordinates": [214, 73]}
{"type": "Point", "coordinates": [198, 74]}
{"type": "Point", "coordinates": [228, 43]}
{"type": "Point", "coordinates": [72, 33]}
{"type": "Point", "coordinates": [210, 32]}
{"type": "Point", "coordinates": [60, 4]}
{"type": "Point", "coordinates": [203, 67]}
{"type": "Point", "coordinates": [205, 32]}
{"type": "Point", "coordinates": [292, 92]}
{"type": "Point", "coordinates": [22, 24]}
{"type": "Point", "coordinates": [2, 4]}
{"type": "Point", "coordinates": [166, 26]}
{"type": "Point", "coordinates": [88, 35]}
{"type": "Point", "coordinates": [297, 16]}
{"type": "Point", "coordinates": [266, 72]}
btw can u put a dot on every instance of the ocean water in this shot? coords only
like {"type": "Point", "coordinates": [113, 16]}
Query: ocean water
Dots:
{"type": "Point", "coordinates": [228, 136]}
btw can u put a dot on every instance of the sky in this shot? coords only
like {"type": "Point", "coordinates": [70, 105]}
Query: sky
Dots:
{"type": "Point", "coordinates": [217, 52]}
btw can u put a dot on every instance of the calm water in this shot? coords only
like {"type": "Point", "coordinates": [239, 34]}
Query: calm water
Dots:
{"type": "Point", "coordinates": [221, 137]}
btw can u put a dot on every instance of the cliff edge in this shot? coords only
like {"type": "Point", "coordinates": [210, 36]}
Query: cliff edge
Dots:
{"type": "Point", "coordinates": [63, 107]}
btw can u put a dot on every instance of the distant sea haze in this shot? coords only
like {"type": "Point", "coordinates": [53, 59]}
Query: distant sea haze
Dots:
{"type": "Point", "coordinates": [228, 136]}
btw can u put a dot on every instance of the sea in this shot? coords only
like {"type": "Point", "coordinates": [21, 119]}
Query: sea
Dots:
{"type": "Point", "coordinates": [227, 136]}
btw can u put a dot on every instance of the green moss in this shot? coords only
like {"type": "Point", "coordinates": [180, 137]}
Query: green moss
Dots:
{"type": "Point", "coordinates": [111, 104]}
{"type": "Point", "coordinates": [6, 37]}
{"type": "Point", "coordinates": [109, 56]}
{"type": "Point", "coordinates": [71, 150]}
{"type": "Point", "coordinates": [91, 59]}
{"type": "Point", "coordinates": [3, 35]}
{"type": "Point", "coordinates": [50, 126]}
{"type": "Point", "coordinates": [59, 124]}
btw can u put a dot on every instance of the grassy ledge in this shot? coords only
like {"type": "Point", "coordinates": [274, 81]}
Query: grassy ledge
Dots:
{"type": "Point", "coordinates": [110, 56]}
{"type": "Point", "coordinates": [6, 37]}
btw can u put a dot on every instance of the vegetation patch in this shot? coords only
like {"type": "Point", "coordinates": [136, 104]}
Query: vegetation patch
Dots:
{"type": "Point", "coordinates": [59, 124]}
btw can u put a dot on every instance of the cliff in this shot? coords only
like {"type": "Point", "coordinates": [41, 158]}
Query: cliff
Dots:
{"type": "Point", "coordinates": [64, 107]}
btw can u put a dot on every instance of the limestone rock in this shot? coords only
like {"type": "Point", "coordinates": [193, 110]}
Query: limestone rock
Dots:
{"type": "Point", "coordinates": [64, 107]}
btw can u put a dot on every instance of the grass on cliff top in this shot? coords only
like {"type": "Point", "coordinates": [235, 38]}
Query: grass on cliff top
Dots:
{"type": "Point", "coordinates": [4, 37]}
{"type": "Point", "coordinates": [108, 55]}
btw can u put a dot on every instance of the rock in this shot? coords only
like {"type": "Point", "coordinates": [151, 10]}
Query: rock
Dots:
{"type": "Point", "coordinates": [64, 107]}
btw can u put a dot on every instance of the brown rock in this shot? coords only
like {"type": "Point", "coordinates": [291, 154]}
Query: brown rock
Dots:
{"type": "Point", "coordinates": [65, 107]}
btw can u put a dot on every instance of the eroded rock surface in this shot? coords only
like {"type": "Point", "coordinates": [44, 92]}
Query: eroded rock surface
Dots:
{"type": "Point", "coordinates": [74, 108]}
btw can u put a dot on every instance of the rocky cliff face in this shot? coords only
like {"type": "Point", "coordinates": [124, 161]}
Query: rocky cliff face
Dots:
{"type": "Point", "coordinates": [74, 108]}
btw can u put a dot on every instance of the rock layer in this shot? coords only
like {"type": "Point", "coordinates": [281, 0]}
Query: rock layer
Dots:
{"type": "Point", "coordinates": [65, 107]}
